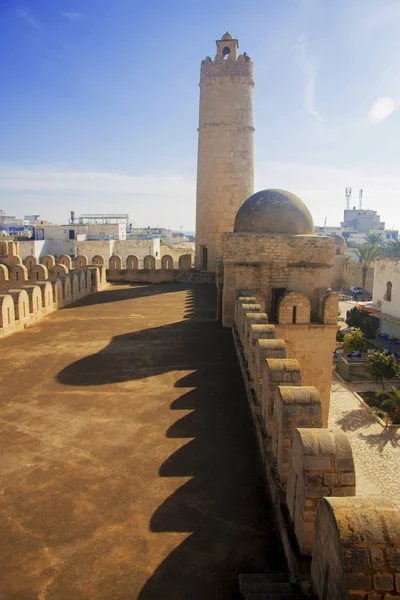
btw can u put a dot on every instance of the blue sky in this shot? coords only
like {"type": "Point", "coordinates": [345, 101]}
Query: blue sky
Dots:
{"type": "Point", "coordinates": [99, 103]}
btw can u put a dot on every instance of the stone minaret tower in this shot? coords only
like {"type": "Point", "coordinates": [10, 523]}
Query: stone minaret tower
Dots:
{"type": "Point", "coordinates": [225, 169]}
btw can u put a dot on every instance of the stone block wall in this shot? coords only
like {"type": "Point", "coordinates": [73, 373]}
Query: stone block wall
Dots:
{"type": "Point", "coordinates": [267, 263]}
{"type": "Point", "coordinates": [294, 308]}
{"type": "Point", "coordinates": [266, 348]}
{"type": "Point", "coordinates": [294, 407]}
{"type": "Point", "coordinates": [353, 275]}
{"type": "Point", "coordinates": [257, 332]}
{"type": "Point", "coordinates": [321, 464]}
{"type": "Point", "coordinates": [313, 346]}
{"type": "Point", "coordinates": [303, 462]}
{"type": "Point", "coordinates": [249, 319]}
{"type": "Point", "coordinates": [249, 299]}
{"type": "Point", "coordinates": [276, 372]}
{"type": "Point", "coordinates": [154, 270]}
{"type": "Point", "coordinates": [242, 310]}
{"type": "Point", "coordinates": [31, 291]}
{"type": "Point", "coordinates": [356, 552]}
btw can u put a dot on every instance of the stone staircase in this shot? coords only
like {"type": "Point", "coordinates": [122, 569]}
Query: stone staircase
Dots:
{"type": "Point", "coordinates": [270, 586]}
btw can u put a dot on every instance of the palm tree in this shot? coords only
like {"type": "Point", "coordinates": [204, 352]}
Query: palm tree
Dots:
{"type": "Point", "coordinates": [374, 238]}
{"type": "Point", "coordinates": [391, 404]}
{"type": "Point", "coordinates": [394, 248]}
{"type": "Point", "coordinates": [367, 254]}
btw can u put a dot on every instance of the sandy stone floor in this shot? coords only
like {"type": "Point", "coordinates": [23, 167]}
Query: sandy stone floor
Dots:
{"type": "Point", "coordinates": [376, 450]}
{"type": "Point", "coordinates": [129, 467]}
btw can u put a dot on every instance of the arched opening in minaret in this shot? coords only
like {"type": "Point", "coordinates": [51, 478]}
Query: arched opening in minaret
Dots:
{"type": "Point", "coordinates": [226, 52]}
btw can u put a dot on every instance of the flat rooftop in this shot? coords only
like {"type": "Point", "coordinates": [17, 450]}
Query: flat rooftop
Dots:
{"type": "Point", "coordinates": [129, 463]}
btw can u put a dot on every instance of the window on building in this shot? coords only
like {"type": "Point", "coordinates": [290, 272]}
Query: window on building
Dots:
{"type": "Point", "coordinates": [294, 315]}
{"type": "Point", "coordinates": [71, 234]}
{"type": "Point", "coordinates": [388, 295]}
{"type": "Point", "coordinates": [204, 257]}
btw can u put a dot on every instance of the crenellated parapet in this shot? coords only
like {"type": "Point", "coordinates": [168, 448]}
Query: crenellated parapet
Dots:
{"type": "Point", "coordinates": [276, 373]}
{"type": "Point", "coordinates": [321, 464]}
{"type": "Point", "coordinates": [304, 463]}
{"type": "Point", "coordinates": [152, 269]}
{"type": "Point", "coordinates": [30, 291]}
{"type": "Point", "coordinates": [356, 552]}
{"type": "Point", "coordinates": [294, 407]}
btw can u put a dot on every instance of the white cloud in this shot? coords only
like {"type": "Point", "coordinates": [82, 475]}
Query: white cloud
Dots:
{"type": "Point", "coordinates": [308, 68]}
{"type": "Point", "coordinates": [382, 109]}
{"type": "Point", "coordinates": [73, 16]}
{"type": "Point", "coordinates": [160, 199]}
{"type": "Point", "coordinates": [13, 178]}
{"type": "Point", "coordinates": [169, 198]}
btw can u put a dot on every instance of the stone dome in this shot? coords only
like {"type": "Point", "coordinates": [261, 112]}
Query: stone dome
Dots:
{"type": "Point", "coordinates": [227, 36]}
{"type": "Point", "coordinates": [339, 240]}
{"type": "Point", "coordinates": [274, 211]}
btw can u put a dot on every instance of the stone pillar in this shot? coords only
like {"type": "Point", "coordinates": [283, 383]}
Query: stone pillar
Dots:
{"type": "Point", "coordinates": [251, 318]}
{"type": "Point", "coordinates": [266, 348]}
{"type": "Point", "coordinates": [294, 407]}
{"type": "Point", "coordinates": [257, 332]}
{"type": "Point", "coordinates": [46, 290]}
{"type": "Point", "coordinates": [243, 300]}
{"type": "Point", "coordinates": [246, 308]}
{"type": "Point", "coordinates": [276, 372]}
{"type": "Point", "coordinates": [35, 299]}
{"type": "Point", "coordinates": [320, 464]}
{"type": "Point", "coordinates": [225, 170]}
{"type": "Point", "coordinates": [49, 261]}
{"type": "Point", "coordinates": [21, 305]}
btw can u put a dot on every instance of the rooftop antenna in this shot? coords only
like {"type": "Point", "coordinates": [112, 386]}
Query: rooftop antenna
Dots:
{"type": "Point", "coordinates": [360, 197]}
{"type": "Point", "coordinates": [347, 193]}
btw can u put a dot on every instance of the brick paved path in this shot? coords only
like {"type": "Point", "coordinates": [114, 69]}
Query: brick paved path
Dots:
{"type": "Point", "coordinates": [376, 450]}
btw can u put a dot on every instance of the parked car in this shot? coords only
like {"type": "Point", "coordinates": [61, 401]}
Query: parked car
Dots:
{"type": "Point", "coordinates": [356, 289]}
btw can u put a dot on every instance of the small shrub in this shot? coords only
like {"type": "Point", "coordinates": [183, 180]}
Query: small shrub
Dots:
{"type": "Point", "coordinates": [354, 341]}
{"type": "Point", "coordinates": [383, 366]}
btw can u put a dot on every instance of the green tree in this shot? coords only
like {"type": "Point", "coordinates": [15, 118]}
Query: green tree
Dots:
{"type": "Point", "coordinates": [340, 336]}
{"type": "Point", "coordinates": [374, 238]}
{"type": "Point", "coordinates": [383, 366]}
{"type": "Point", "coordinates": [361, 318]}
{"type": "Point", "coordinates": [367, 254]}
{"type": "Point", "coordinates": [354, 341]}
{"type": "Point", "coordinates": [394, 249]}
{"type": "Point", "coordinates": [391, 404]}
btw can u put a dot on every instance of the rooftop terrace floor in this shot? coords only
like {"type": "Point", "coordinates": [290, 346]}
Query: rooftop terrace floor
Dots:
{"type": "Point", "coordinates": [129, 466]}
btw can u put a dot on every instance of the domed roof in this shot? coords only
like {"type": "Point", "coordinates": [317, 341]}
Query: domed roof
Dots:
{"type": "Point", "coordinates": [227, 36]}
{"type": "Point", "coordinates": [339, 240]}
{"type": "Point", "coordinates": [274, 211]}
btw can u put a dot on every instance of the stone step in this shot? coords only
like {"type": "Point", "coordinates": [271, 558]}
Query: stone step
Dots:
{"type": "Point", "coordinates": [268, 586]}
